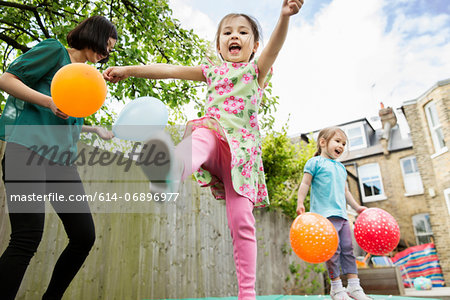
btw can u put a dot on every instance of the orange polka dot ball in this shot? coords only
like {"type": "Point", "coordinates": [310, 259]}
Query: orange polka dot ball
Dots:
{"type": "Point", "coordinates": [313, 238]}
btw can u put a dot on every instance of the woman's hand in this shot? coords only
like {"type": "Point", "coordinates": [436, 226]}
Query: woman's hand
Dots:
{"type": "Point", "coordinates": [56, 110]}
{"type": "Point", "coordinates": [115, 74]}
{"type": "Point", "coordinates": [104, 133]}
{"type": "Point", "coordinates": [291, 7]}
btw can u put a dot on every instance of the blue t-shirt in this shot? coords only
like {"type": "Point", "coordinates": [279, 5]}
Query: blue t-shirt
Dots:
{"type": "Point", "coordinates": [327, 186]}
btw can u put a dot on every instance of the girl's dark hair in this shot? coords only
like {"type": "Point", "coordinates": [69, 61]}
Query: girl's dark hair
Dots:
{"type": "Point", "coordinates": [327, 134]}
{"type": "Point", "coordinates": [254, 25]}
{"type": "Point", "coordinates": [93, 33]}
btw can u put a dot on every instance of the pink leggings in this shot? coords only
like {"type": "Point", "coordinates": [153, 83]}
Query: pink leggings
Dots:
{"type": "Point", "coordinates": [214, 155]}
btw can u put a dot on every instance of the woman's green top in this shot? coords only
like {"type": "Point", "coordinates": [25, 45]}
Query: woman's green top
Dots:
{"type": "Point", "coordinates": [34, 126]}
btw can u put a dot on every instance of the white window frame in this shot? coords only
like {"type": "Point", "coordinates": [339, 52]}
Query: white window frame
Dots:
{"type": "Point", "coordinates": [428, 224]}
{"type": "Point", "coordinates": [434, 128]}
{"type": "Point", "coordinates": [379, 197]}
{"type": "Point", "coordinates": [363, 136]}
{"type": "Point", "coordinates": [447, 199]}
{"type": "Point", "coordinates": [416, 174]}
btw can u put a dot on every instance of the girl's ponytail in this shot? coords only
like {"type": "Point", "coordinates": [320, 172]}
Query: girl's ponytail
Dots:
{"type": "Point", "coordinates": [318, 151]}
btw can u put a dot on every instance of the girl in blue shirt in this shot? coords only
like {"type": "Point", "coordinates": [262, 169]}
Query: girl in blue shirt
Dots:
{"type": "Point", "coordinates": [329, 198]}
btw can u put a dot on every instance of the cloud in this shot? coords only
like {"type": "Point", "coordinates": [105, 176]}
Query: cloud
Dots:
{"type": "Point", "coordinates": [341, 60]}
{"type": "Point", "coordinates": [327, 68]}
{"type": "Point", "coordinates": [340, 66]}
{"type": "Point", "coordinates": [194, 19]}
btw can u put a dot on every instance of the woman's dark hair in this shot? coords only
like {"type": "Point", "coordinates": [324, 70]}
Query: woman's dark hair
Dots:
{"type": "Point", "coordinates": [254, 25]}
{"type": "Point", "coordinates": [93, 33]}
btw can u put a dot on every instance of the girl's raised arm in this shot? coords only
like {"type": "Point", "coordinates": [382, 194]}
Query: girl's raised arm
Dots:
{"type": "Point", "coordinates": [270, 52]}
{"type": "Point", "coordinates": [154, 71]}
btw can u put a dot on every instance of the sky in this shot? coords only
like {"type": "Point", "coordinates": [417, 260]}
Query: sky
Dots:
{"type": "Point", "coordinates": [342, 58]}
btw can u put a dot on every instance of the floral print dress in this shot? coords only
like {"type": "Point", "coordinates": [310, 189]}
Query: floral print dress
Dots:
{"type": "Point", "coordinates": [232, 102]}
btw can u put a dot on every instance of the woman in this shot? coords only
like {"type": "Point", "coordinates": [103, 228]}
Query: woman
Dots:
{"type": "Point", "coordinates": [38, 133]}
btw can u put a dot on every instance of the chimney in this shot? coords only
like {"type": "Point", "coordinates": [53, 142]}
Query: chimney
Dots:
{"type": "Point", "coordinates": [388, 120]}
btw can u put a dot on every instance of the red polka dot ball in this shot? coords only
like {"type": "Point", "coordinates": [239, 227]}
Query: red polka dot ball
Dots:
{"type": "Point", "coordinates": [376, 231]}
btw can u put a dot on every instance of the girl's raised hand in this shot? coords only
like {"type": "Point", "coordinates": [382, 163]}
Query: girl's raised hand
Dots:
{"type": "Point", "coordinates": [114, 74]}
{"type": "Point", "coordinates": [291, 7]}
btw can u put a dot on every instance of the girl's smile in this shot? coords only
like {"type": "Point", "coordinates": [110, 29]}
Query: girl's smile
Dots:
{"type": "Point", "coordinates": [234, 48]}
{"type": "Point", "coordinates": [236, 41]}
{"type": "Point", "coordinates": [335, 146]}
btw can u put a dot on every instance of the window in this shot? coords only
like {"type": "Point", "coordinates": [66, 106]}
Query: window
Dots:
{"type": "Point", "coordinates": [447, 199]}
{"type": "Point", "coordinates": [411, 176]}
{"type": "Point", "coordinates": [356, 136]}
{"type": "Point", "coordinates": [370, 182]}
{"type": "Point", "coordinates": [435, 127]}
{"type": "Point", "coordinates": [422, 229]}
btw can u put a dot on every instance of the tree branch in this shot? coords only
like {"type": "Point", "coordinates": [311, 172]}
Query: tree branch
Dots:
{"type": "Point", "coordinates": [130, 6]}
{"type": "Point", "coordinates": [51, 11]}
{"type": "Point", "coordinates": [5, 56]}
{"type": "Point", "coordinates": [294, 191]}
{"type": "Point", "coordinates": [30, 8]}
{"type": "Point", "coordinates": [111, 9]}
{"type": "Point", "coordinates": [81, 9]}
{"type": "Point", "coordinates": [17, 5]}
{"type": "Point", "coordinates": [161, 51]}
{"type": "Point", "coordinates": [38, 19]}
{"type": "Point", "coordinates": [21, 29]}
{"type": "Point", "coordinates": [13, 43]}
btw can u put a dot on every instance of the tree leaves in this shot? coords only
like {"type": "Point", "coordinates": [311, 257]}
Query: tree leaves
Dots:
{"type": "Point", "coordinates": [148, 33]}
{"type": "Point", "coordinates": [283, 165]}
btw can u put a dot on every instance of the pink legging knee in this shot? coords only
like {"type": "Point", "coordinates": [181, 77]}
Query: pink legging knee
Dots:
{"type": "Point", "coordinates": [214, 155]}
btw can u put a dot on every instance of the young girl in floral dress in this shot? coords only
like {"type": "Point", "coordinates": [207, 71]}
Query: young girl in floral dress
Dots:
{"type": "Point", "coordinates": [226, 143]}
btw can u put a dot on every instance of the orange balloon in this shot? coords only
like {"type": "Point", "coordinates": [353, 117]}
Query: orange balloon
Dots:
{"type": "Point", "coordinates": [313, 238]}
{"type": "Point", "coordinates": [78, 90]}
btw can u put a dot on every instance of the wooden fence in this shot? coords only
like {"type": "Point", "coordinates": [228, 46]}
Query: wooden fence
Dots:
{"type": "Point", "coordinates": [179, 249]}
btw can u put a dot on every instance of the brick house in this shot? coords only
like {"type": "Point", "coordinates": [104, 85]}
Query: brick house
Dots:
{"type": "Point", "coordinates": [406, 174]}
{"type": "Point", "coordinates": [428, 117]}
{"type": "Point", "coordinates": [382, 172]}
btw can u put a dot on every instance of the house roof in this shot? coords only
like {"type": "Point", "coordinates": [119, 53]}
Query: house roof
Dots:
{"type": "Point", "coordinates": [396, 141]}
{"type": "Point", "coordinates": [306, 136]}
{"type": "Point", "coordinates": [435, 86]}
{"type": "Point", "coordinates": [357, 121]}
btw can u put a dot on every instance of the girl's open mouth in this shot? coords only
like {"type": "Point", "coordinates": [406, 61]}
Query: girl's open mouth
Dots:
{"type": "Point", "coordinates": [234, 49]}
